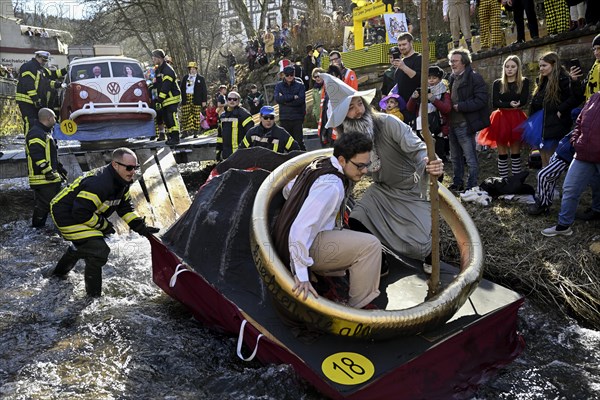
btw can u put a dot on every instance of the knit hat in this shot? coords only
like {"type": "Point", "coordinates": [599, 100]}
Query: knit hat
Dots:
{"type": "Point", "coordinates": [434, 70]}
{"type": "Point", "coordinates": [160, 53]}
{"type": "Point", "coordinates": [340, 96]}
{"type": "Point", "coordinates": [596, 41]}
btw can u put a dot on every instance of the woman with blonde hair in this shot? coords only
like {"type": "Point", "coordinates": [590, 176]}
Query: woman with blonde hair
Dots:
{"type": "Point", "coordinates": [509, 95]}
{"type": "Point", "coordinates": [551, 105]}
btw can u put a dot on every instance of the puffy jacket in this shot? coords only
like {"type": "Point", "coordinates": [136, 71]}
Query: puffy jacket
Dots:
{"type": "Point", "coordinates": [166, 85]}
{"type": "Point", "coordinates": [80, 210]}
{"type": "Point", "coordinates": [586, 136]}
{"type": "Point", "coordinates": [473, 103]}
{"type": "Point", "coordinates": [233, 124]}
{"type": "Point", "coordinates": [42, 155]}
{"type": "Point", "coordinates": [35, 83]}
{"type": "Point", "coordinates": [554, 127]}
{"type": "Point", "coordinates": [200, 91]}
{"type": "Point", "coordinates": [276, 139]}
{"type": "Point", "coordinates": [290, 108]}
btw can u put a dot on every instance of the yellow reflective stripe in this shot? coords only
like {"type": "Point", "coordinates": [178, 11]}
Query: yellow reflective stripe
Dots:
{"type": "Point", "coordinates": [247, 121]}
{"type": "Point", "coordinates": [234, 136]}
{"type": "Point", "coordinates": [32, 92]}
{"type": "Point", "coordinates": [40, 162]}
{"type": "Point", "coordinates": [74, 228]}
{"type": "Point", "coordinates": [130, 216]}
{"type": "Point", "coordinates": [37, 141]}
{"type": "Point", "coordinates": [245, 142]}
{"type": "Point", "coordinates": [82, 235]}
{"type": "Point", "coordinates": [162, 95]}
{"type": "Point", "coordinates": [127, 196]}
{"type": "Point", "coordinates": [103, 208]}
{"type": "Point", "coordinates": [28, 73]}
{"type": "Point", "coordinates": [289, 143]}
{"type": "Point", "coordinates": [172, 100]}
{"type": "Point", "coordinates": [91, 197]}
{"type": "Point", "coordinates": [167, 78]}
{"type": "Point", "coordinates": [23, 98]}
{"type": "Point", "coordinates": [219, 139]}
{"type": "Point", "coordinates": [275, 146]}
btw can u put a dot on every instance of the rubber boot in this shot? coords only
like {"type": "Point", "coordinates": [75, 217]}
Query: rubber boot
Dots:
{"type": "Point", "coordinates": [173, 139]}
{"type": "Point", "coordinates": [93, 278]}
{"type": "Point", "coordinates": [161, 136]}
{"type": "Point", "coordinates": [66, 263]}
{"type": "Point", "coordinates": [469, 45]}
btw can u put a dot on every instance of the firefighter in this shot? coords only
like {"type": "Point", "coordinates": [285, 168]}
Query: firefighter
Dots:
{"type": "Point", "coordinates": [234, 123]}
{"type": "Point", "coordinates": [81, 210]}
{"type": "Point", "coordinates": [169, 96]}
{"type": "Point", "coordinates": [44, 171]}
{"type": "Point", "coordinates": [35, 86]}
{"type": "Point", "coordinates": [269, 135]}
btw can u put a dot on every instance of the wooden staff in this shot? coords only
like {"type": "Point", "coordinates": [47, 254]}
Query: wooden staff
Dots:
{"type": "Point", "coordinates": [434, 279]}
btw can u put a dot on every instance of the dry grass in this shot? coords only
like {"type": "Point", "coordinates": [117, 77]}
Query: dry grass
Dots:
{"type": "Point", "coordinates": [560, 272]}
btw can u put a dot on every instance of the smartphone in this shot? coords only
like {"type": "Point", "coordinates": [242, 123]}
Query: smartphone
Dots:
{"type": "Point", "coordinates": [575, 63]}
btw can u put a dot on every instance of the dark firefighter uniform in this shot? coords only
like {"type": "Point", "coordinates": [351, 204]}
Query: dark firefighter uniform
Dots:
{"type": "Point", "coordinates": [34, 88]}
{"type": "Point", "coordinates": [169, 97]}
{"type": "Point", "coordinates": [276, 139]}
{"type": "Point", "coordinates": [234, 123]}
{"type": "Point", "coordinates": [80, 212]}
{"type": "Point", "coordinates": [43, 170]}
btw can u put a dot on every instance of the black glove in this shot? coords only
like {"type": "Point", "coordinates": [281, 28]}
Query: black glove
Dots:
{"type": "Point", "coordinates": [109, 230]}
{"type": "Point", "coordinates": [51, 175]}
{"type": "Point", "coordinates": [218, 155]}
{"type": "Point", "coordinates": [158, 106]}
{"type": "Point", "coordinates": [62, 172]}
{"type": "Point", "coordinates": [139, 225]}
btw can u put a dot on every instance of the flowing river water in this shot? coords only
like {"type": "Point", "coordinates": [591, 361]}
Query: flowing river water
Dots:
{"type": "Point", "coordinates": [135, 342]}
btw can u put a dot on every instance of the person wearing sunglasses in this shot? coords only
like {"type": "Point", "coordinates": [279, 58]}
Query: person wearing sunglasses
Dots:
{"type": "Point", "coordinates": [268, 135]}
{"type": "Point", "coordinates": [290, 96]}
{"type": "Point", "coordinates": [81, 210]}
{"type": "Point", "coordinates": [309, 226]}
{"type": "Point", "coordinates": [234, 124]}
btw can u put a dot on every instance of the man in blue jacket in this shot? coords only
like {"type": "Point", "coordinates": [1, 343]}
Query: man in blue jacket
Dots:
{"type": "Point", "coordinates": [290, 96]}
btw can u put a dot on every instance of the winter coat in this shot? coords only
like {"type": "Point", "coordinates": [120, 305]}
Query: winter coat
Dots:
{"type": "Point", "coordinates": [473, 103]}
{"type": "Point", "coordinates": [290, 108]}
{"type": "Point", "coordinates": [586, 136]}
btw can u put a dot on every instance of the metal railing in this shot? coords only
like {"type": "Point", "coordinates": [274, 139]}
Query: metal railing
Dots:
{"type": "Point", "coordinates": [8, 88]}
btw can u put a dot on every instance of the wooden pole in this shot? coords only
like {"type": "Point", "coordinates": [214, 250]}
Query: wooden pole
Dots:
{"type": "Point", "coordinates": [434, 279]}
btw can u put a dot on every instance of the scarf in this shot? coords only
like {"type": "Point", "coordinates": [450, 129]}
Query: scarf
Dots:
{"type": "Point", "coordinates": [438, 91]}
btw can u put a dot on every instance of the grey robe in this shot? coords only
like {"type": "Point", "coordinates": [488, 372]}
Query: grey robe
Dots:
{"type": "Point", "coordinates": [395, 207]}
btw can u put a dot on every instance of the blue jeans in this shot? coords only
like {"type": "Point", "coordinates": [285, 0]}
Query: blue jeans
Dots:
{"type": "Point", "coordinates": [579, 175]}
{"type": "Point", "coordinates": [462, 145]}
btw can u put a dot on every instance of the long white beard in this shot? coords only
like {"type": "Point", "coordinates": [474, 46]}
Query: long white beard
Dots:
{"type": "Point", "coordinates": [365, 126]}
{"type": "Point", "coordinates": [362, 125]}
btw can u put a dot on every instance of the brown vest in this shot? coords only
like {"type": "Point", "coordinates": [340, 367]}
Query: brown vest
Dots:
{"type": "Point", "coordinates": [281, 232]}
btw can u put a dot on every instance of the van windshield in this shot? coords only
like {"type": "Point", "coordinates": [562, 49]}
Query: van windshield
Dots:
{"type": "Point", "coordinates": [118, 69]}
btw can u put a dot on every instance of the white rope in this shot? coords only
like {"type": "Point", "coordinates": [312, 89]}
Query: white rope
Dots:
{"type": "Point", "coordinates": [241, 340]}
{"type": "Point", "coordinates": [177, 272]}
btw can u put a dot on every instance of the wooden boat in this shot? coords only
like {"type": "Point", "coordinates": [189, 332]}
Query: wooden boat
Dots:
{"type": "Point", "coordinates": [206, 261]}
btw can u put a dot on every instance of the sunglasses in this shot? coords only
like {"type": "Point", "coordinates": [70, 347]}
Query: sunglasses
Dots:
{"type": "Point", "coordinates": [128, 167]}
{"type": "Point", "coordinates": [268, 117]}
{"type": "Point", "coordinates": [360, 166]}
{"type": "Point", "coordinates": [289, 74]}
{"type": "Point", "coordinates": [232, 98]}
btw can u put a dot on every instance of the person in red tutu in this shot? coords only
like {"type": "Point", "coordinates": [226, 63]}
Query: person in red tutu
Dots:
{"type": "Point", "coordinates": [509, 94]}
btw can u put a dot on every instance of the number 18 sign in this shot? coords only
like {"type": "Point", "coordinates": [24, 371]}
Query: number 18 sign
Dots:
{"type": "Point", "coordinates": [348, 368]}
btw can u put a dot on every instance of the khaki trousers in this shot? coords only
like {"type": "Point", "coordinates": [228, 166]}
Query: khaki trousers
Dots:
{"type": "Point", "coordinates": [357, 252]}
{"type": "Point", "coordinates": [460, 20]}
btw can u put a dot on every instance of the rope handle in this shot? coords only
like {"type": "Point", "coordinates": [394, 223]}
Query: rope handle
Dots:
{"type": "Point", "coordinates": [177, 272]}
{"type": "Point", "coordinates": [241, 340]}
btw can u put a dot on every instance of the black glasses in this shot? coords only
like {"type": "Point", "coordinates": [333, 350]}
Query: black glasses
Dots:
{"type": "Point", "coordinates": [289, 74]}
{"type": "Point", "coordinates": [128, 167]}
{"type": "Point", "coordinates": [268, 117]}
{"type": "Point", "coordinates": [232, 99]}
{"type": "Point", "coordinates": [361, 165]}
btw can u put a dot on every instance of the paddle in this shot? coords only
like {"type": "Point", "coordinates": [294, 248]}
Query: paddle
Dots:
{"type": "Point", "coordinates": [434, 279]}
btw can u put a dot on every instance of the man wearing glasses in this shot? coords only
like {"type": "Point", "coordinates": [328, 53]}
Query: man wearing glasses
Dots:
{"type": "Point", "coordinates": [81, 210]}
{"type": "Point", "coordinates": [348, 75]}
{"type": "Point", "coordinates": [308, 232]}
{"type": "Point", "coordinates": [395, 207]}
{"type": "Point", "coordinates": [290, 96]}
{"type": "Point", "coordinates": [234, 124]}
{"type": "Point", "coordinates": [268, 135]}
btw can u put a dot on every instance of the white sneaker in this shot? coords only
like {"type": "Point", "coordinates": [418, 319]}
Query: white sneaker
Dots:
{"type": "Point", "coordinates": [553, 232]}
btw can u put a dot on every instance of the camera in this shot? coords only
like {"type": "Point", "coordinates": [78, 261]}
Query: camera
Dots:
{"type": "Point", "coordinates": [395, 53]}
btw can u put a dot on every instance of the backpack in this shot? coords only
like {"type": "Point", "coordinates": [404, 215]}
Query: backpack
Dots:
{"type": "Point", "coordinates": [435, 122]}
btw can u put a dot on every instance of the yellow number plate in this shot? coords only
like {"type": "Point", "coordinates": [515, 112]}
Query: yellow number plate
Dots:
{"type": "Point", "coordinates": [348, 368]}
{"type": "Point", "coordinates": [68, 127]}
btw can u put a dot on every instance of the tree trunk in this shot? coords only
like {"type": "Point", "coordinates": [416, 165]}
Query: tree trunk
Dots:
{"type": "Point", "coordinates": [242, 11]}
